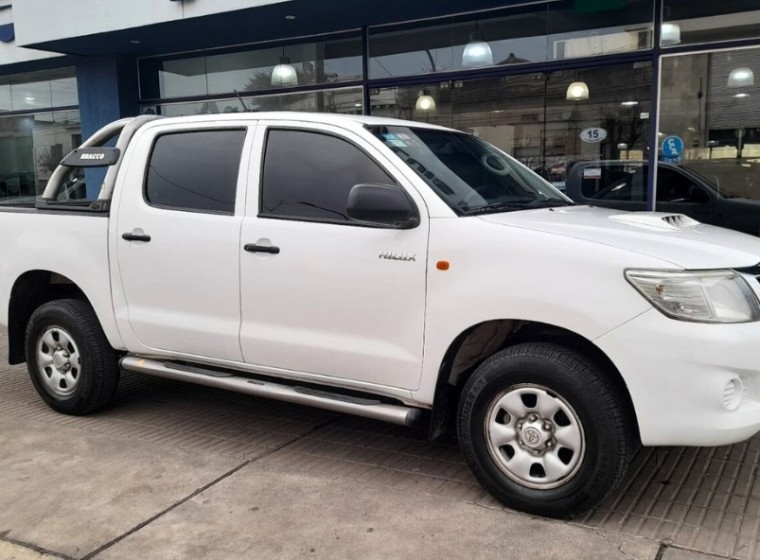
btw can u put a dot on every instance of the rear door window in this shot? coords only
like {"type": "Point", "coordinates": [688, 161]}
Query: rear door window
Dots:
{"type": "Point", "coordinates": [195, 171]}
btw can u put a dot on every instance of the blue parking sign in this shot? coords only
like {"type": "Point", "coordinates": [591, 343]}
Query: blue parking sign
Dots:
{"type": "Point", "coordinates": [672, 147]}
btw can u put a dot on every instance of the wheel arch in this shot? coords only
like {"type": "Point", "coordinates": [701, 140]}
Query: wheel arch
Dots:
{"type": "Point", "coordinates": [30, 290]}
{"type": "Point", "coordinates": [478, 342]}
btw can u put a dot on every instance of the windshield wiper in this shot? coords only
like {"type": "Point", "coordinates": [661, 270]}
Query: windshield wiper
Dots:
{"type": "Point", "coordinates": [510, 206]}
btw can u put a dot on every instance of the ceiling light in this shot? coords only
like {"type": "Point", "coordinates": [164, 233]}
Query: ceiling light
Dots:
{"type": "Point", "coordinates": [284, 75]}
{"type": "Point", "coordinates": [629, 103]}
{"type": "Point", "coordinates": [741, 95]}
{"type": "Point", "coordinates": [670, 34]}
{"type": "Point", "coordinates": [29, 99]}
{"type": "Point", "coordinates": [741, 77]}
{"type": "Point", "coordinates": [477, 52]}
{"type": "Point", "coordinates": [577, 91]}
{"type": "Point", "coordinates": [425, 102]}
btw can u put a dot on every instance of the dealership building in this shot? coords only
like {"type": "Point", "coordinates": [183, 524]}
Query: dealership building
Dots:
{"type": "Point", "coordinates": [552, 83]}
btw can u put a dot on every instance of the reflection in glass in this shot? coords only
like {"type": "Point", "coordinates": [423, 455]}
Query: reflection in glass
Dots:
{"type": "Point", "coordinates": [707, 22]}
{"type": "Point", "coordinates": [533, 33]}
{"type": "Point", "coordinates": [31, 146]}
{"type": "Point", "coordinates": [513, 39]}
{"type": "Point", "coordinates": [343, 100]}
{"type": "Point", "coordinates": [710, 102]}
{"type": "Point", "coordinates": [334, 61]}
{"type": "Point", "coordinates": [529, 117]}
{"type": "Point", "coordinates": [580, 29]}
{"type": "Point", "coordinates": [35, 91]}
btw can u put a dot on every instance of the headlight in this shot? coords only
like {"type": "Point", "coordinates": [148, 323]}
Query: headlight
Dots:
{"type": "Point", "coordinates": [718, 296]}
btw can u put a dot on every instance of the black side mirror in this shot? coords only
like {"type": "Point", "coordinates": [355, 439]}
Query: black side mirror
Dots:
{"type": "Point", "coordinates": [382, 205]}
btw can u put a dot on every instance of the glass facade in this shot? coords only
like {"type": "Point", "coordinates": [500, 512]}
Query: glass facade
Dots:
{"type": "Point", "coordinates": [564, 86]}
{"type": "Point", "coordinates": [689, 22]}
{"type": "Point", "coordinates": [537, 33]}
{"type": "Point", "coordinates": [39, 124]}
{"type": "Point", "coordinates": [530, 117]}
{"type": "Point", "coordinates": [304, 64]}
{"type": "Point", "coordinates": [717, 116]}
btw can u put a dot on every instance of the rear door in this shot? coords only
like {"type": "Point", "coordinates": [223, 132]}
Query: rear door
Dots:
{"type": "Point", "coordinates": [334, 297]}
{"type": "Point", "coordinates": [177, 234]}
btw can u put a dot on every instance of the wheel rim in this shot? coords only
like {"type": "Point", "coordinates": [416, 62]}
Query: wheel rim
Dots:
{"type": "Point", "coordinates": [58, 361]}
{"type": "Point", "coordinates": [534, 436]}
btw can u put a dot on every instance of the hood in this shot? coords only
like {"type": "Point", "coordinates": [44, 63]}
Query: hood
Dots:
{"type": "Point", "coordinates": [675, 238]}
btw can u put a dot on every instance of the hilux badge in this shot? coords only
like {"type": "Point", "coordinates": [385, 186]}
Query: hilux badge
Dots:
{"type": "Point", "coordinates": [390, 255]}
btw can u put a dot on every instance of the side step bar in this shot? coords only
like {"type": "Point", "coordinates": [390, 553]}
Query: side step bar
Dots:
{"type": "Point", "coordinates": [336, 402]}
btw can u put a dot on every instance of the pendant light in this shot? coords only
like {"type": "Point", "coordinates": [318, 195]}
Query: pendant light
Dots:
{"type": "Point", "coordinates": [577, 91]}
{"type": "Point", "coordinates": [425, 102]}
{"type": "Point", "coordinates": [670, 34]}
{"type": "Point", "coordinates": [284, 75]}
{"type": "Point", "coordinates": [477, 52]}
{"type": "Point", "coordinates": [741, 77]}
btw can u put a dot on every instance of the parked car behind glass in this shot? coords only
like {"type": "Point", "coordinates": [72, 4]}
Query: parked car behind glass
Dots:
{"type": "Point", "coordinates": [622, 184]}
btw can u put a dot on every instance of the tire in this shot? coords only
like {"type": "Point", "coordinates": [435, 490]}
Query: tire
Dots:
{"type": "Point", "coordinates": [69, 359]}
{"type": "Point", "coordinates": [544, 431]}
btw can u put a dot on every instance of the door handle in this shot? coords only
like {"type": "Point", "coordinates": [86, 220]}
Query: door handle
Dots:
{"type": "Point", "coordinates": [135, 237]}
{"type": "Point", "coordinates": [253, 248]}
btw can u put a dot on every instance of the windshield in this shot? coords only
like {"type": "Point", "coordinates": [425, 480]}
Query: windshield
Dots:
{"type": "Point", "coordinates": [470, 175]}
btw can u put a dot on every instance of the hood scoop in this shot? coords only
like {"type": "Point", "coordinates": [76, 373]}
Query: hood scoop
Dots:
{"type": "Point", "coordinates": [656, 221]}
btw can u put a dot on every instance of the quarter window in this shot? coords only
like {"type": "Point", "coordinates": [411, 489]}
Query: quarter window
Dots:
{"type": "Point", "coordinates": [308, 175]}
{"type": "Point", "coordinates": [195, 171]}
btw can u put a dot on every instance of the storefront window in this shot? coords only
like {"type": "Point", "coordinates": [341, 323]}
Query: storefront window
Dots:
{"type": "Point", "coordinates": [39, 90]}
{"type": "Point", "coordinates": [31, 146]}
{"type": "Point", "coordinates": [689, 22]}
{"type": "Point", "coordinates": [343, 100]}
{"type": "Point", "coordinates": [531, 118]}
{"type": "Point", "coordinates": [326, 62]}
{"type": "Point", "coordinates": [710, 130]}
{"type": "Point", "coordinates": [547, 31]}
{"type": "Point", "coordinates": [584, 28]}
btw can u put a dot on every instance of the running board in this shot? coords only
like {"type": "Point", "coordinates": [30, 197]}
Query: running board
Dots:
{"type": "Point", "coordinates": [336, 402]}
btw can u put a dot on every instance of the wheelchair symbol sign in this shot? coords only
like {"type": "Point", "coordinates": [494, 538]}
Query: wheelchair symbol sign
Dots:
{"type": "Point", "coordinates": [672, 146]}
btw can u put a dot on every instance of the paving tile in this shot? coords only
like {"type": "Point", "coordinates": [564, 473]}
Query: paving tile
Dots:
{"type": "Point", "coordinates": [703, 500]}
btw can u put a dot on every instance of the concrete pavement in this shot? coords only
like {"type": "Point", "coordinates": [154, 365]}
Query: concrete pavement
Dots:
{"type": "Point", "coordinates": [177, 471]}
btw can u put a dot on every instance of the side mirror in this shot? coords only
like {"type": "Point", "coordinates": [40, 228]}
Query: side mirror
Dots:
{"type": "Point", "coordinates": [382, 205]}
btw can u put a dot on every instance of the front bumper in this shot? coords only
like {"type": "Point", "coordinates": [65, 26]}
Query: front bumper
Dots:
{"type": "Point", "coordinates": [676, 373]}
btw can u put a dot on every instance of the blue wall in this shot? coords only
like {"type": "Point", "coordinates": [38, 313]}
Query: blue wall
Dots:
{"type": "Point", "coordinates": [108, 91]}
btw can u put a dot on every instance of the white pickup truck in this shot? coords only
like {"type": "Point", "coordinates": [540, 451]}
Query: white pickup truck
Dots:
{"type": "Point", "coordinates": [393, 270]}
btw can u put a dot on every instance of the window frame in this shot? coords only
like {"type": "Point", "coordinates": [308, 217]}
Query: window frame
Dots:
{"type": "Point", "coordinates": [350, 222]}
{"type": "Point", "coordinates": [154, 142]}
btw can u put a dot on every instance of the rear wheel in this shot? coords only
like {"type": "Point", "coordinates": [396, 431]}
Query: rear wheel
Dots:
{"type": "Point", "coordinates": [543, 430]}
{"type": "Point", "coordinates": [69, 359]}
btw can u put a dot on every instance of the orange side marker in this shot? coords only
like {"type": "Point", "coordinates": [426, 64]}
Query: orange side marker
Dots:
{"type": "Point", "coordinates": [442, 265]}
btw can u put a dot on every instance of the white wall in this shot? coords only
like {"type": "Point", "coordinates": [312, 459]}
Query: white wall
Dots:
{"type": "Point", "coordinates": [45, 20]}
{"type": "Point", "coordinates": [11, 53]}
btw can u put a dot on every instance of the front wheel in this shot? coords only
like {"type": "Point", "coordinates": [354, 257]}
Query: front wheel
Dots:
{"type": "Point", "coordinates": [543, 430]}
{"type": "Point", "coordinates": [69, 359]}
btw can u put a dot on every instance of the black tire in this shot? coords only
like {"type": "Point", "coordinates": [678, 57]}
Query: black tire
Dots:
{"type": "Point", "coordinates": [90, 378]}
{"type": "Point", "coordinates": [604, 449]}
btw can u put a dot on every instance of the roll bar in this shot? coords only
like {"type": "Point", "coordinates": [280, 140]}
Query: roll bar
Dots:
{"type": "Point", "coordinates": [126, 129]}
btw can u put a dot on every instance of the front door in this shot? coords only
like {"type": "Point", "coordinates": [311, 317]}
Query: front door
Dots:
{"type": "Point", "coordinates": [177, 236]}
{"type": "Point", "coordinates": [332, 297]}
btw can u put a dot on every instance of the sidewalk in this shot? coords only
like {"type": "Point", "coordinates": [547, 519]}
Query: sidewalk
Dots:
{"type": "Point", "coordinates": [177, 471]}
